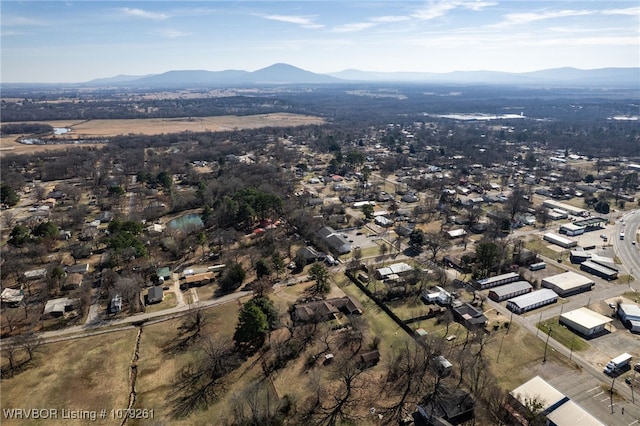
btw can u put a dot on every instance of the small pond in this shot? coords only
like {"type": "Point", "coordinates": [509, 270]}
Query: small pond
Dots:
{"type": "Point", "coordinates": [186, 221]}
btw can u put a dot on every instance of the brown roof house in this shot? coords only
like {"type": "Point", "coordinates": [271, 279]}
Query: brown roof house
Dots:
{"type": "Point", "coordinates": [325, 310]}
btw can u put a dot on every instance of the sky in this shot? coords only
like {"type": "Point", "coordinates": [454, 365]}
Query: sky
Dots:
{"type": "Point", "coordinates": [76, 41]}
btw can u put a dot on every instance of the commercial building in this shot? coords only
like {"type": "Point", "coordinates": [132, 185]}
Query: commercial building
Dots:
{"type": "Point", "coordinates": [533, 300]}
{"type": "Point", "coordinates": [556, 408]}
{"type": "Point", "coordinates": [569, 414]}
{"type": "Point", "coordinates": [585, 321]}
{"type": "Point", "coordinates": [630, 315]}
{"type": "Point", "coordinates": [599, 270]}
{"type": "Point", "coordinates": [490, 282]}
{"type": "Point", "coordinates": [576, 211]}
{"type": "Point", "coordinates": [509, 291]}
{"type": "Point", "coordinates": [571, 229]}
{"type": "Point", "coordinates": [538, 389]}
{"type": "Point", "coordinates": [336, 242]}
{"type": "Point", "coordinates": [568, 283]}
{"type": "Point", "coordinates": [559, 240]}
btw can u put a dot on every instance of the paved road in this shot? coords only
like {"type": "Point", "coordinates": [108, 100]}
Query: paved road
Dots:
{"type": "Point", "coordinates": [627, 252]}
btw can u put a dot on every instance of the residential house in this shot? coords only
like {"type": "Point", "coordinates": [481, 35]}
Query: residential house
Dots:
{"type": "Point", "coordinates": [324, 310]}
{"type": "Point", "coordinates": [155, 295]}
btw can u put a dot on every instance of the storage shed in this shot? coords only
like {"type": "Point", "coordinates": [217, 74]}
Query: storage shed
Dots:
{"type": "Point", "coordinates": [490, 282]}
{"type": "Point", "coordinates": [559, 240]}
{"type": "Point", "coordinates": [568, 283]}
{"type": "Point", "coordinates": [509, 291]}
{"type": "Point", "coordinates": [585, 321]}
{"type": "Point", "coordinates": [533, 300]}
{"type": "Point", "coordinates": [599, 270]}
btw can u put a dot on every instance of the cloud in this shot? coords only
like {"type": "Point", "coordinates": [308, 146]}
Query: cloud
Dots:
{"type": "Point", "coordinates": [631, 11]}
{"type": "Point", "coordinates": [139, 13]}
{"type": "Point", "coordinates": [303, 21]}
{"type": "Point", "coordinates": [390, 18]}
{"type": "Point", "coordinates": [356, 26]}
{"type": "Point", "coordinates": [170, 33]}
{"type": "Point", "coordinates": [21, 21]}
{"type": "Point", "coordinates": [525, 18]}
{"type": "Point", "coordinates": [437, 9]}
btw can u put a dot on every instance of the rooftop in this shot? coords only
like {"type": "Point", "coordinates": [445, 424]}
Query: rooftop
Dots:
{"type": "Point", "coordinates": [586, 317]}
{"type": "Point", "coordinates": [567, 280]}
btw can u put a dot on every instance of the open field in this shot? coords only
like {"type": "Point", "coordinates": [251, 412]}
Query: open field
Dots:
{"type": "Point", "coordinates": [9, 145]}
{"type": "Point", "coordinates": [85, 374]}
{"type": "Point", "coordinates": [155, 126]}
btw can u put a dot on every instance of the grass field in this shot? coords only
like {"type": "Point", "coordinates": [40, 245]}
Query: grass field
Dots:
{"type": "Point", "coordinates": [82, 129]}
{"type": "Point", "coordinates": [563, 335]}
{"type": "Point", "coordinates": [84, 374]}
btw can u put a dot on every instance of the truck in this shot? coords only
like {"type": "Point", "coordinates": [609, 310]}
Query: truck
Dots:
{"type": "Point", "coordinates": [618, 363]}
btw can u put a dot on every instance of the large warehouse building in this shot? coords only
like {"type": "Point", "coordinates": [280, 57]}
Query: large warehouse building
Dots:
{"type": "Point", "coordinates": [508, 291]}
{"type": "Point", "coordinates": [585, 321]}
{"type": "Point", "coordinates": [568, 283]}
{"type": "Point", "coordinates": [533, 300]}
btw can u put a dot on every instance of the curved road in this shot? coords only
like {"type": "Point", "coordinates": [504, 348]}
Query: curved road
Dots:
{"type": "Point", "coordinates": [627, 252]}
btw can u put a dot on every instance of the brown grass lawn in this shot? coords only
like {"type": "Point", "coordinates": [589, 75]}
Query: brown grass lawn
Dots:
{"type": "Point", "coordinates": [157, 368]}
{"type": "Point", "coordinates": [521, 357]}
{"type": "Point", "coordinates": [84, 374]}
{"type": "Point", "coordinates": [154, 126]}
{"type": "Point", "coordinates": [168, 303]}
{"type": "Point", "coordinates": [8, 145]}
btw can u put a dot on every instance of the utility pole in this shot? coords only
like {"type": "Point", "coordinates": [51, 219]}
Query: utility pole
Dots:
{"type": "Point", "coordinates": [544, 358]}
{"type": "Point", "coordinates": [611, 391]}
{"type": "Point", "coordinates": [572, 339]}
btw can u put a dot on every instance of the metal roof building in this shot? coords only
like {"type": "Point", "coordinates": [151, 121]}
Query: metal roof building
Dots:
{"type": "Point", "coordinates": [508, 291]}
{"type": "Point", "coordinates": [599, 270]}
{"type": "Point", "coordinates": [569, 414]}
{"type": "Point", "coordinates": [585, 321]}
{"type": "Point", "coordinates": [568, 283]}
{"type": "Point", "coordinates": [558, 240]}
{"type": "Point", "coordinates": [533, 300]}
{"type": "Point", "coordinates": [496, 281]}
{"type": "Point", "coordinates": [629, 312]}
{"type": "Point", "coordinates": [538, 388]}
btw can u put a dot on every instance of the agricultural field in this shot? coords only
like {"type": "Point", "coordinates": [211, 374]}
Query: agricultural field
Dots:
{"type": "Point", "coordinates": [92, 129]}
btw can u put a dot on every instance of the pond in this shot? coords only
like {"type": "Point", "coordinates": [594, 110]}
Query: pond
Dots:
{"type": "Point", "coordinates": [188, 220]}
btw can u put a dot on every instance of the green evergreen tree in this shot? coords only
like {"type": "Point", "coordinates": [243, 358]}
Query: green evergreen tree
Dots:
{"type": "Point", "coordinates": [251, 329]}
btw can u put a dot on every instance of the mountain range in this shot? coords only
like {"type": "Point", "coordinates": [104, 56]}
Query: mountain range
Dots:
{"type": "Point", "coordinates": [284, 74]}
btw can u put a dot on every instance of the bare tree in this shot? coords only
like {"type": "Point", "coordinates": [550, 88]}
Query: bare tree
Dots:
{"type": "Point", "coordinates": [338, 405]}
{"type": "Point", "coordinates": [29, 342]}
{"type": "Point", "coordinates": [201, 382]}
{"type": "Point", "coordinates": [435, 242]}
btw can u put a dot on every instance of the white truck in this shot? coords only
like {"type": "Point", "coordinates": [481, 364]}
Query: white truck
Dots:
{"type": "Point", "coordinates": [618, 363]}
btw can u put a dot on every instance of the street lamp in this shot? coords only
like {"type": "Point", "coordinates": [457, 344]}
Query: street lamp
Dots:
{"type": "Point", "coordinates": [544, 358]}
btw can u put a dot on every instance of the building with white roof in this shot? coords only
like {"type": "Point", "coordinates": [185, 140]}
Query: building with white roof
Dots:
{"type": "Point", "coordinates": [398, 269]}
{"type": "Point", "coordinates": [630, 314]}
{"type": "Point", "coordinates": [509, 291]}
{"type": "Point", "coordinates": [559, 240]}
{"type": "Point", "coordinates": [570, 414]}
{"type": "Point", "coordinates": [490, 282]}
{"type": "Point", "coordinates": [557, 408]}
{"type": "Point", "coordinates": [585, 321]}
{"type": "Point", "coordinates": [538, 389]}
{"type": "Point", "coordinates": [568, 283]}
{"type": "Point", "coordinates": [533, 300]}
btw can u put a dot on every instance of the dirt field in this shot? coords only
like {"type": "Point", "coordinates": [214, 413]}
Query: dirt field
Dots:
{"type": "Point", "coordinates": [82, 129]}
